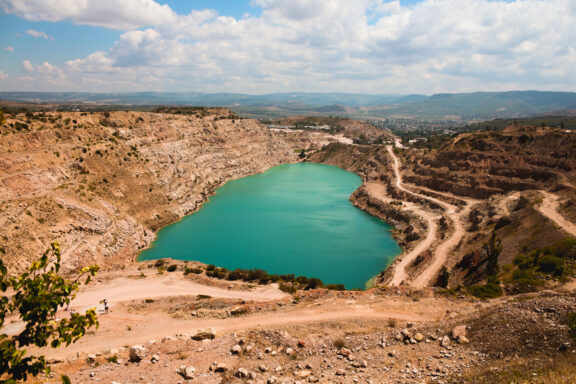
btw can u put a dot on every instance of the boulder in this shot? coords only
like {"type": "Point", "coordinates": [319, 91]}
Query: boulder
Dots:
{"type": "Point", "coordinates": [445, 342]}
{"type": "Point", "coordinates": [242, 373]}
{"type": "Point", "coordinates": [459, 331]}
{"type": "Point", "coordinates": [204, 334]}
{"type": "Point", "coordinates": [91, 358]}
{"type": "Point", "coordinates": [340, 372]}
{"type": "Point", "coordinates": [187, 372]}
{"type": "Point", "coordinates": [137, 353]}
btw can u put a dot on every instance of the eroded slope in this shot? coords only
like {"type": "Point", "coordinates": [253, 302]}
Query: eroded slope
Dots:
{"type": "Point", "coordinates": [102, 183]}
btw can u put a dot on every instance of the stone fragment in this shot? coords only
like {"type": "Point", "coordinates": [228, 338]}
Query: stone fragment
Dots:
{"type": "Point", "coordinates": [236, 350]}
{"type": "Point", "coordinates": [204, 334]}
{"type": "Point", "coordinates": [187, 372]}
{"type": "Point", "coordinates": [445, 342]}
{"type": "Point", "coordinates": [242, 373]}
{"type": "Point", "coordinates": [345, 352]}
{"type": "Point", "coordinates": [463, 339]}
{"type": "Point", "coordinates": [221, 367]}
{"type": "Point", "coordinates": [303, 374]}
{"type": "Point", "coordinates": [459, 331]}
{"type": "Point", "coordinates": [137, 353]}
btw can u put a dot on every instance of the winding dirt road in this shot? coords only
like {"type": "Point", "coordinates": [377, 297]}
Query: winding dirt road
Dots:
{"type": "Point", "coordinates": [549, 208]}
{"type": "Point", "coordinates": [443, 249]}
{"type": "Point", "coordinates": [379, 191]}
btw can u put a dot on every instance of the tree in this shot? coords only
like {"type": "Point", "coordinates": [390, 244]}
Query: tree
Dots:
{"type": "Point", "coordinates": [443, 278]}
{"type": "Point", "coordinates": [492, 250]}
{"type": "Point", "coordinates": [36, 295]}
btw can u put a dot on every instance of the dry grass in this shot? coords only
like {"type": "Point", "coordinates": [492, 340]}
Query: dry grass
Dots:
{"type": "Point", "coordinates": [557, 370]}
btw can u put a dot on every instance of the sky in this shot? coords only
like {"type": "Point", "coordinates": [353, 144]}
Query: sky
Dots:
{"type": "Point", "coordinates": [267, 46]}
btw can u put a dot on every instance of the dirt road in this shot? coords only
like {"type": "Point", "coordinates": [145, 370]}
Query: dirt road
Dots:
{"type": "Point", "coordinates": [126, 289]}
{"type": "Point", "coordinates": [379, 192]}
{"type": "Point", "coordinates": [121, 328]}
{"type": "Point", "coordinates": [549, 208]}
{"type": "Point", "coordinates": [442, 251]}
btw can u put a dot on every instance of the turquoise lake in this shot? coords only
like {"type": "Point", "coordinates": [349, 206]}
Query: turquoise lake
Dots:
{"type": "Point", "coordinates": [295, 218]}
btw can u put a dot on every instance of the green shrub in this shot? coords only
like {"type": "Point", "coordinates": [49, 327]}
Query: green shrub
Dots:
{"type": "Point", "coordinates": [525, 280]}
{"type": "Point", "coordinates": [572, 325]}
{"type": "Point", "coordinates": [196, 271]}
{"type": "Point", "coordinates": [172, 268]}
{"type": "Point", "coordinates": [288, 288]}
{"type": "Point", "coordinates": [490, 290]}
{"type": "Point", "coordinates": [565, 249]}
{"type": "Point", "coordinates": [552, 264]}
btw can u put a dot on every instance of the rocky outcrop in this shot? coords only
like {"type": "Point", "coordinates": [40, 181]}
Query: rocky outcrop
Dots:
{"type": "Point", "coordinates": [408, 227]}
{"type": "Point", "coordinates": [102, 183]}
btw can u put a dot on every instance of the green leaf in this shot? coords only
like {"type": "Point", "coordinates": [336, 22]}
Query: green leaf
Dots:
{"type": "Point", "coordinates": [66, 380]}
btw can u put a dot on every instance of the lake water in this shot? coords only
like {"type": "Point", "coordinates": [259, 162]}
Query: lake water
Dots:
{"type": "Point", "coordinates": [295, 218]}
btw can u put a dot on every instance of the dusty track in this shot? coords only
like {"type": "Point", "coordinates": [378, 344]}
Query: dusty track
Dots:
{"type": "Point", "coordinates": [378, 191]}
{"type": "Point", "coordinates": [549, 208]}
{"type": "Point", "coordinates": [443, 249]}
{"type": "Point", "coordinates": [122, 328]}
{"type": "Point", "coordinates": [125, 289]}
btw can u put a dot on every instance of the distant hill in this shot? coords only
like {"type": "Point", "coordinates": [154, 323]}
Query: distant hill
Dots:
{"type": "Point", "coordinates": [445, 106]}
{"type": "Point", "coordinates": [205, 99]}
{"type": "Point", "coordinates": [483, 105]}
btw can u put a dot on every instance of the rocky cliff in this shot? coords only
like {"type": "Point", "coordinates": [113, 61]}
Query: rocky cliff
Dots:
{"type": "Point", "coordinates": [102, 183]}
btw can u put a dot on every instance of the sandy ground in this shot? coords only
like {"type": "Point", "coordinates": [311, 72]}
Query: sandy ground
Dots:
{"type": "Point", "coordinates": [168, 285]}
{"type": "Point", "coordinates": [549, 208]}
{"type": "Point", "coordinates": [140, 310]}
{"type": "Point", "coordinates": [504, 203]}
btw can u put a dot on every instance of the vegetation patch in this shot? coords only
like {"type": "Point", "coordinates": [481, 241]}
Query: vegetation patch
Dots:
{"type": "Point", "coordinates": [533, 269]}
{"type": "Point", "coordinates": [489, 290]}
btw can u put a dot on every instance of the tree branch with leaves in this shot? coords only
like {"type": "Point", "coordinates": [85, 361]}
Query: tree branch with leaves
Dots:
{"type": "Point", "coordinates": [36, 295]}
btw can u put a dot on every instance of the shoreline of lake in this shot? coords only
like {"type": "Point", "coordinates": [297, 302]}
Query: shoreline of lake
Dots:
{"type": "Point", "coordinates": [383, 247]}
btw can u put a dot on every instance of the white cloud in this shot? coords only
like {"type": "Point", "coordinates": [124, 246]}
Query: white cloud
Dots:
{"type": "Point", "coordinates": [336, 45]}
{"type": "Point", "coordinates": [115, 14]}
{"type": "Point", "coordinates": [27, 66]}
{"type": "Point", "coordinates": [35, 33]}
{"type": "Point", "coordinates": [3, 76]}
{"type": "Point", "coordinates": [9, 49]}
